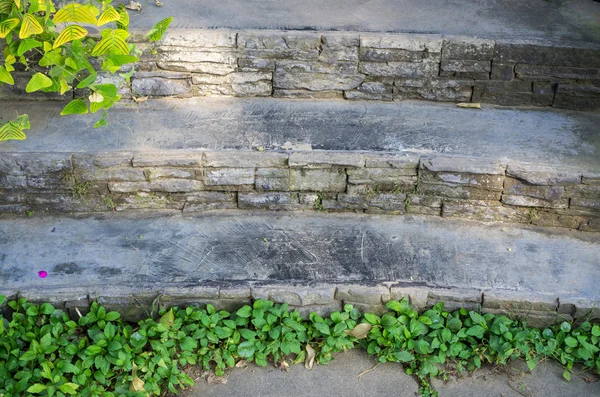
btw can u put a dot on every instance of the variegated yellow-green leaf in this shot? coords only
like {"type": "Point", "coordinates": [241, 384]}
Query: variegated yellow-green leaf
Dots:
{"type": "Point", "coordinates": [96, 102]}
{"type": "Point", "coordinates": [109, 15]}
{"type": "Point", "coordinates": [73, 32]}
{"type": "Point", "coordinates": [5, 76]}
{"type": "Point", "coordinates": [76, 106]}
{"type": "Point", "coordinates": [37, 82]}
{"type": "Point", "coordinates": [115, 32]}
{"type": "Point", "coordinates": [158, 31]}
{"type": "Point", "coordinates": [123, 22]}
{"type": "Point", "coordinates": [7, 26]}
{"type": "Point", "coordinates": [64, 86]}
{"type": "Point", "coordinates": [14, 129]}
{"type": "Point", "coordinates": [6, 7]}
{"type": "Point", "coordinates": [27, 45]}
{"type": "Point", "coordinates": [76, 13]}
{"type": "Point", "coordinates": [111, 44]}
{"type": "Point", "coordinates": [18, 3]}
{"type": "Point", "coordinates": [30, 26]}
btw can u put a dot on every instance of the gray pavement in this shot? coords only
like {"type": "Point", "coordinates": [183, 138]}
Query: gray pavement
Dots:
{"type": "Point", "coordinates": [554, 21]}
{"type": "Point", "coordinates": [531, 135]}
{"type": "Point", "coordinates": [106, 254]}
{"type": "Point", "coordinates": [340, 378]}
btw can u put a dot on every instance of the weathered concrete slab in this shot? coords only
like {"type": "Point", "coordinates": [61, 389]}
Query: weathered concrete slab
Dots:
{"type": "Point", "coordinates": [557, 20]}
{"type": "Point", "coordinates": [524, 135]}
{"type": "Point", "coordinates": [340, 378]}
{"type": "Point", "coordinates": [121, 254]}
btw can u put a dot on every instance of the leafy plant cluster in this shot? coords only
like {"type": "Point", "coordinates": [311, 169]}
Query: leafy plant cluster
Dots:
{"type": "Point", "coordinates": [56, 47]}
{"type": "Point", "coordinates": [44, 352]}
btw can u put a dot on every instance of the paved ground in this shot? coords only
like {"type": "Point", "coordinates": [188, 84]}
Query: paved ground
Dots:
{"type": "Point", "coordinates": [340, 378]}
{"type": "Point", "coordinates": [106, 253]}
{"type": "Point", "coordinates": [548, 20]}
{"type": "Point", "coordinates": [532, 135]}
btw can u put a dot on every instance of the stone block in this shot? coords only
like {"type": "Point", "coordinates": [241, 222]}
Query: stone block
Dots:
{"type": "Point", "coordinates": [102, 160]}
{"type": "Point", "coordinates": [584, 191]}
{"type": "Point", "coordinates": [294, 67]}
{"type": "Point", "coordinates": [306, 94]}
{"type": "Point", "coordinates": [538, 72]}
{"type": "Point", "coordinates": [245, 159]}
{"type": "Point", "coordinates": [370, 295]}
{"type": "Point", "coordinates": [381, 176]}
{"type": "Point", "coordinates": [168, 172]}
{"type": "Point", "coordinates": [271, 201]}
{"type": "Point", "coordinates": [483, 181]}
{"type": "Point", "coordinates": [407, 161]}
{"type": "Point", "coordinates": [160, 185]}
{"type": "Point", "coordinates": [225, 57]}
{"type": "Point", "coordinates": [377, 309]}
{"type": "Point", "coordinates": [509, 93]}
{"type": "Point", "coordinates": [463, 165]}
{"type": "Point", "coordinates": [458, 191]}
{"type": "Point", "coordinates": [34, 163]}
{"type": "Point", "coordinates": [257, 65]}
{"type": "Point", "coordinates": [163, 159]}
{"type": "Point", "coordinates": [201, 207]}
{"type": "Point", "coordinates": [13, 181]}
{"type": "Point", "coordinates": [400, 69]}
{"type": "Point", "coordinates": [403, 184]}
{"type": "Point", "coordinates": [270, 40]}
{"type": "Point", "coordinates": [218, 69]}
{"type": "Point", "coordinates": [433, 94]}
{"type": "Point", "coordinates": [466, 66]}
{"type": "Point", "coordinates": [468, 48]}
{"type": "Point", "coordinates": [232, 78]}
{"type": "Point", "coordinates": [359, 95]}
{"type": "Point", "coordinates": [235, 292]}
{"type": "Point", "coordinates": [577, 97]}
{"type": "Point", "coordinates": [258, 89]}
{"type": "Point", "coordinates": [417, 296]}
{"type": "Point", "coordinates": [455, 299]}
{"type": "Point", "coordinates": [321, 310]}
{"type": "Point", "coordinates": [147, 200]}
{"type": "Point", "coordinates": [114, 174]}
{"type": "Point", "coordinates": [318, 180]}
{"type": "Point", "coordinates": [296, 295]}
{"type": "Point", "coordinates": [385, 202]}
{"type": "Point", "coordinates": [552, 219]}
{"type": "Point", "coordinates": [199, 38]}
{"type": "Point", "coordinates": [585, 203]}
{"type": "Point", "coordinates": [533, 54]}
{"type": "Point", "coordinates": [57, 182]}
{"type": "Point", "coordinates": [228, 176]}
{"type": "Point", "coordinates": [407, 42]}
{"type": "Point", "coordinates": [326, 159]}
{"type": "Point", "coordinates": [65, 202]}
{"type": "Point", "coordinates": [502, 71]}
{"type": "Point", "coordinates": [545, 192]}
{"type": "Point", "coordinates": [209, 198]}
{"type": "Point", "coordinates": [375, 87]}
{"type": "Point", "coordinates": [158, 86]}
{"type": "Point", "coordinates": [395, 55]}
{"type": "Point", "coordinates": [424, 201]}
{"type": "Point", "coordinates": [491, 213]}
{"type": "Point", "coordinates": [544, 175]}
{"type": "Point", "coordinates": [273, 179]}
{"type": "Point", "coordinates": [523, 201]}
{"type": "Point", "coordinates": [317, 81]}
{"type": "Point", "coordinates": [591, 178]}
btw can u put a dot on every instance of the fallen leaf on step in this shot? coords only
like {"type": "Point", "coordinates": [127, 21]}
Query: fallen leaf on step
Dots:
{"type": "Point", "coordinates": [310, 357]}
{"type": "Point", "coordinates": [139, 99]}
{"type": "Point", "coordinates": [360, 331]}
{"type": "Point", "coordinates": [136, 383]}
{"type": "Point", "coordinates": [468, 105]}
{"type": "Point", "coordinates": [134, 5]}
{"type": "Point", "coordinates": [158, 3]}
{"type": "Point", "coordinates": [241, 364]}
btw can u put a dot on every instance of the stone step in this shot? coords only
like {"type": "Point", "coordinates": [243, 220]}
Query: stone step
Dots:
{"type": "Point", "coordinates": [312, 261]}
{"type": "Point", "coordinates": [497, 164]}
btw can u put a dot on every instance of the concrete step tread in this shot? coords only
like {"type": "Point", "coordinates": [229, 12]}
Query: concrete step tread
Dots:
{"type": "Point", "coordinates": [527, 19]}
{"type": "Point", "coordinates": [302, 257]}
{"type": "Point", "coordinates": [528, 135]}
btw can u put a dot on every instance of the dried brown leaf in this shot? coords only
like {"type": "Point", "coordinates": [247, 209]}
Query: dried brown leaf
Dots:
{"type": "Point", "coordinates": [241, 364]}
{"type": "Point", "coordinates": [310, 357]}
{"type": "Point", "coordinates": [134, 5]}
{"type": "Point", "coordinates": [136, 383]}
{"type": "Point", "coordinates": [360, 331]}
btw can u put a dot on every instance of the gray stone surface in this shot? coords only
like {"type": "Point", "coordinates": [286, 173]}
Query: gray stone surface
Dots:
{"type": "Point", "coordinates": [524, 135]}
{"type": "Point", "coordinates": [112, 253]}
{"type": "Point", "coordinates": [528, 19]}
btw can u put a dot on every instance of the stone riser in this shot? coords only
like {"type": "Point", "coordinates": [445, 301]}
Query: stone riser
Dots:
{"type": "Point", "coordinates": [379, 183]}
{"type": "Point", "coordinates": [536, 309]}
{"type": "Point", "coordinates": [370, 66]}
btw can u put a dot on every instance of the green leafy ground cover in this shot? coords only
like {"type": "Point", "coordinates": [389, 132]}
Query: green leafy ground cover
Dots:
{"type": "Point", "coordinates": [43, 352]}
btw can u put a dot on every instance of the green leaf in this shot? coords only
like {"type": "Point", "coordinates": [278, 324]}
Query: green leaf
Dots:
{"type": "Point", "coordinates": [100, 123]}
{"type": "Point", "coordinates": [112, 316]}
{"type": "Point", "coordinates": [111, 43]}
{"type": "Point", "coordinates": [246, 349]}
{"type": "Point", "coordinates": [30, 26]}
{"type": "Point", "coordinates": [76, 106]}
{"type": "Point", "coordinates": [26, 45]}
{"type": "Point", "coordinates": [421, 346]}
{"type": "Point", "coordinates": [565, 326]}
{"type": "Point", "coordinates": [73, 32]}
{"type": "Point", "coordinates": [109, 15]}
{"type": "Point", "coordinates": [68, 388]}
{"type": "Point", "coordinates": [322, 328]}
{"type": "Point", "coordinates": [38, 81]}
{"type": "Point", "coordinates": [36, 388]}
{"type": "Point", "coordinates": [5, 76]}
{"type": "Point", "coordinates": [596, 330]}
{"type": "Point", "coordinates": [168, 319]}
{"type": "Point", "coordinates": [7, 26]}
{"type": "Point", "coordinates": [159, 30]}
{"type": "Point", "coordinates": [567, 375]}
{"type": "Point", "coordinates": [88, 80]}
{"type": "Point", "coordinates": [425, 320]}
{"type": "Point", "coordinates": [189, 344]}
{"type": "Point", "coordinates": [403, 356]}
{"type": "Point", "coordinates": [372, 319]}
{"type": "Point", "coordinates": [110, 330]}
{"type": "Point", "coordinates": [47, 308]}
{"type": "Point", "coordinates": [571, 342]}
{"type": "Point", "coordinates": [76, 13]}
{"type": "Point", "coordinates": [244, 312]}
{"type": "Point", "coordinates": [477, 331]}
{"type": "Point", "coordinates": [477, 318]}
{"type": "Point", "coordinates": [32, 311]}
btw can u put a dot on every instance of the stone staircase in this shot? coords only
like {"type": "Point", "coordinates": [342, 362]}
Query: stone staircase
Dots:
{"type": "Point", "coordinates": [318, 168]}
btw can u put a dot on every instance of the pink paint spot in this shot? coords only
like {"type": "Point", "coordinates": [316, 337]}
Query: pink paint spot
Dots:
{"type": "Point", "coordinates": [42, 274]}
